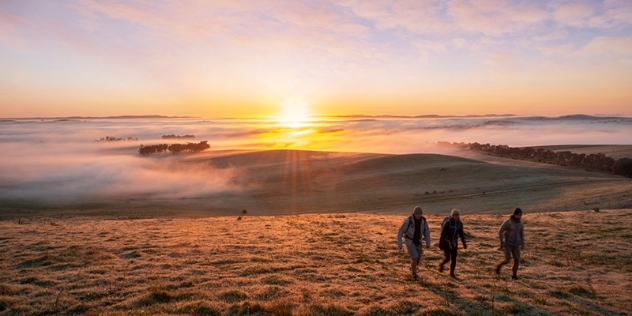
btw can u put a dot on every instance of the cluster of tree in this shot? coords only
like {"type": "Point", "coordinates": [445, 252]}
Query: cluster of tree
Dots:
{"type": "Point", "coordinates": [177, 136]}
{"type": "Point", "coordinates": [174, 148]}
{"type": "Point", "coordinates": [599, 161]}
{"type": "Point", "coordinates": [115, 139]}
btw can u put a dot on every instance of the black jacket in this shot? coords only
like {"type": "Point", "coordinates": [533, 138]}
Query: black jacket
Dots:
{"type": "Point", "coordinates": [449, 232]}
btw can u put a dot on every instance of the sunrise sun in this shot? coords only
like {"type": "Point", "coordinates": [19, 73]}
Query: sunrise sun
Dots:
{"type": "Point", "coordinates": [295, 113]}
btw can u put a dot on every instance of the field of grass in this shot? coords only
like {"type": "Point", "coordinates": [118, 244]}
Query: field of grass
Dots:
{"type": "Point", "coordinates": [575, 263]}
{"type": "Point", "coordinates": [282, 182]}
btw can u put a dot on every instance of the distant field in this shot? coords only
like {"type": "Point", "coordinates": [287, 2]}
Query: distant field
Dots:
{"type": "Point", "coordinates": [576, 263]}
{"type": "Point", "coordinates": [298, 182]}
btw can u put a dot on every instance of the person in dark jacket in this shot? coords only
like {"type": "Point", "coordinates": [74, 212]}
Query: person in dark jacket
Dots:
{"type": "Point", "coordinates": [413, 229]}
{"type": "Point", "coordinates": [511, 237]}
{"type": "Point", "coordinates": [451, 230]}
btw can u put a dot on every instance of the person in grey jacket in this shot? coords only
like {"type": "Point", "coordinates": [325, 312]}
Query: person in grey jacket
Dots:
{"type": "Point", "coordinates": [413, 229]}
{"type": "Point", "coordinates": [511, 235]}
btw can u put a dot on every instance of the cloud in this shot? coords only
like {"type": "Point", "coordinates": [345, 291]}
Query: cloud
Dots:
{"type": "Point", "coordinates": [60, 174]}
{"type": "Point", "coordinates": [609, 45]}
{"type": "Point", "coordinates": [578, 14]}
{"type": "Point", "coordinates": [496, 18]}
{"type": "Point", "coordinates": [69, 167]}
{"type": "Point", "coordinates": [614, 14]}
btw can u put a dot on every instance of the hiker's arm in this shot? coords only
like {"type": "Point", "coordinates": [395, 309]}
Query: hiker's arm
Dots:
{"type": "Point", "coordinates": [462, 235]}
{"type": "Point", "coordinates": [502, 229]}
{"type": "Point", "coordinates": [400, 233]}
{"type": "Point", "coordinates": [443, 233]}
{"type": "Point", "coordinates": [427, 234]}
{"type": "Point", "coordinates": [522, 237]}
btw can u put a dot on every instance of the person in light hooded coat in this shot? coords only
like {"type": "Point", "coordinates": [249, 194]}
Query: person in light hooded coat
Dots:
{"type": "Point", "coordinates": [412, 230]}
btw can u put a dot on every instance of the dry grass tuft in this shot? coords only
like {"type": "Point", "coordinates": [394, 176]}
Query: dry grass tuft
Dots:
{"type": "Point", "coordinates": [344, 264]}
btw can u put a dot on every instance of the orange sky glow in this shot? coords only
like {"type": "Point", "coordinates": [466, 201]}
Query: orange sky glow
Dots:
{"type": "Point", "coordinates": [245, 59]}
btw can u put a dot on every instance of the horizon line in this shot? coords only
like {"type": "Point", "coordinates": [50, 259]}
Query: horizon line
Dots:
{"type": "Point", "coordinates": [366, 116]}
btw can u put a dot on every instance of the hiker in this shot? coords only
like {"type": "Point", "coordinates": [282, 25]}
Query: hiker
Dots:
{"type": "Point", "coordinates": [450, 230]}
{"type": "Point", "coordinates": [511, 237]}
{"type": "Point", "coordinates": [413, 229]}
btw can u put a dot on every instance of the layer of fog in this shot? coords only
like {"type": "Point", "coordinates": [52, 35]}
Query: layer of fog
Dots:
{"type": "Point", "coordinates": [61, 161]}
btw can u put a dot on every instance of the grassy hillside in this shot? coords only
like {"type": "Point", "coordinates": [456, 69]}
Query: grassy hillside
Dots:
{"type": "Point", "coordinates": [576, 263]}
{"type": "Point", "coordinates": [298, 182]}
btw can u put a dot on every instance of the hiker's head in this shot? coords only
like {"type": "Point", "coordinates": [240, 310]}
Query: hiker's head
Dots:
{"type": "Point", "coordinates": [418, 212]}
{"type": "Point", "coordinates": [517, 213]}
{"type": "Point", "coordinates": [455, 214]}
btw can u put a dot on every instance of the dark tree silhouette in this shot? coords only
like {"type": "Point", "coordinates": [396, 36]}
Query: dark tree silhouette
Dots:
{"type": "Point", "coordinates": [598, 162]}
{"type": "Point", "coordinates": [174, 148]}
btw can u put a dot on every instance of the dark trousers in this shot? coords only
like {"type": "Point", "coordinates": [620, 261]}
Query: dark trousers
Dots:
{"type": "Point", "coordinates": [450, 254]}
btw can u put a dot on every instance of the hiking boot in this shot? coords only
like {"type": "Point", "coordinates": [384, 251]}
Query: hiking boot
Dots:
{"type": "Point", "coordinates": [453, 275]}
{"type": "Point", "coordinates": [415, 276]}
{"type": "Point", "coordinates": [514, 277]}
{"type": "Point", "coordinates": [498, 269]}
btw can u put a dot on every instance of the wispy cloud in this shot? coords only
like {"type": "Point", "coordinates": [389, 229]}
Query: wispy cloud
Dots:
{"type": "Point", "coordinates": [218, 50]}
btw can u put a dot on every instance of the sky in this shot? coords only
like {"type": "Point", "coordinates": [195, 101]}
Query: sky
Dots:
{"type": "Point", "coordinates": [250, 58]}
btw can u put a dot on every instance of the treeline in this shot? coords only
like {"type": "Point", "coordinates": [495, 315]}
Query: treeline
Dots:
{"type": "Point", "coordinates": [599, 161]}
{"type": "Point", "coordinates": [174, 148]}
{"type": "Point", "coordinates": [115, 139]}
{"type": "Point", "coordinates": [171, 136]}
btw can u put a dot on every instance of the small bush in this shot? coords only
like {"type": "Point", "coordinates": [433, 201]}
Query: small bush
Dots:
{"type": "Point", "coordinates": [281, 309]}
{"type": "Point", "coordinates": [559, 294]}
{"type": "Point", "coordinates": [515, 309]}
{"type": "Point", "coordinates": [438, 312]}
{"type": "Point", "coordinates": [201, 309]}
{"type": "Point", "coordinates": [78, 309]}
{"type": "Point", "coordinates": [233, 296]}
{"type": "Point", "coordinates": [4, 305]}
{"type": "Point", "coordinates": [378, 311]}
{"type": "Point", "coordinates": [275, 280]}
{"type": "Point", "coordinates": [255, 270]}
{"type": "Point", "coordinates": [405, 308]}
{"type": "Point", "coordinates": [581, 291]}
{"type": "Point", "coordinates": [6, 289]}
{"type": "Point", "coordinates": [245, 310]}
{"type": "Point", "coordinates": [157, 296]}
{"type": "Point", "coordinates": [272, 292]}
{"type": "Point", "coordinates": [45, 260]}
{"type": "Point", "coordinates": [333, 293]}
{"type": "Point", "coordinates": [330, 310]}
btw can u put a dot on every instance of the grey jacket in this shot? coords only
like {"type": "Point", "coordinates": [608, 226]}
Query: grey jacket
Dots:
{"type": "Point", "coordinates": [511, 233]}
{"type": "Point", "coordinates": [409, 230]}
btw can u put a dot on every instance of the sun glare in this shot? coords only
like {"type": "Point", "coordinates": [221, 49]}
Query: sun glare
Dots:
{"type": "Point", "coordinates": [295, 113]}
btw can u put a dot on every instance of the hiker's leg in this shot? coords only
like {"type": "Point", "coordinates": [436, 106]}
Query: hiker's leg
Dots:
{"type": "Point", "coordinates": [414, 256]}
{"type": "Point", "coordinates": [446, 252]}
{"type": "Point", "coordinates": [419, 250]}
{"type": "Point", "coordinates": [507, 251]}
{"type": "Point", "coordinates": [453, 253]}
{"type": "Point", "coordinates": [516, 256]}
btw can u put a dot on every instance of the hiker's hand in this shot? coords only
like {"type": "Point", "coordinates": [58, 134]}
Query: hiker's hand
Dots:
{"type": "Point", "coordinates": [502, 245]}
{"type": "Point", "coordinates": [522, 247]}
{"type": "Point", "coordinates": [464, 246]}
{"type": "Point", "coordinates": [399, 247]}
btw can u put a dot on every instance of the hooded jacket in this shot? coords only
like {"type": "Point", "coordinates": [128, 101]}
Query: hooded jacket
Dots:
{"type": "Point", "coordinates": [450, 232]}
{"type": "Point", "coordinates": [511, 233]}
